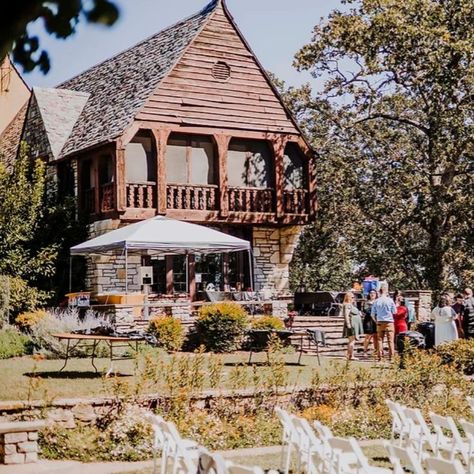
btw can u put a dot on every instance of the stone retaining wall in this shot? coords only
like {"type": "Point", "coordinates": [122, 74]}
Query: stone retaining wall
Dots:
{"type": "Point", "coordinates": [19, 442]}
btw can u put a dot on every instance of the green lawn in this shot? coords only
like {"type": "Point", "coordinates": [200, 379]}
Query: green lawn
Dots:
{"type": "Point", "coordinates": [26, 378]}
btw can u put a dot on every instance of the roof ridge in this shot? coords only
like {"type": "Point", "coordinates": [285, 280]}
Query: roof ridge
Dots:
{"type": "Point", "coordinates": [207, 9]}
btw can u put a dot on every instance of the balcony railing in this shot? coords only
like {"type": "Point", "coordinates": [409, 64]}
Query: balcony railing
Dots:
{"type": "Point", "coordinates": [192, 197]}
{"type": "Point", "coordinates": [106, 197]}
{"type": "Point", "coordinates": [251, 200]}
{"type": "Point", "coordinates": [141, 195]}
{"type": "Point", "coordinates": [295, 201]}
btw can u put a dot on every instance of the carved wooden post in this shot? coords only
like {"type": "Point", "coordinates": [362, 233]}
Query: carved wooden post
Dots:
{"type": "Point", "coordinates": [96, 183]}
{"type": "Point", "coordinates": [161, 139]}
{"type": "Point", "coordinates": [120, 180]}
{"type": "Point", "coordinates": [222, 142]}
{"type": "Point", "coordinates": [311, 178]}
{"type": "Point", "coordinates": [279, 144]}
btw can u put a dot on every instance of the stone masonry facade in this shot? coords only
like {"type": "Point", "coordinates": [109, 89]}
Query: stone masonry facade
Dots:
{"type": "Point", "coordinates": [273, 250]}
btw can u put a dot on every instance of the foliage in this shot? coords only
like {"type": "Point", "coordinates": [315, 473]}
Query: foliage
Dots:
{"type": "Point", "coordinates": [61, 321]}
{"type": "Point", "coordinates": [268, 322]}
{"type": "Point", "coordinates": [21, 210]}
{"type": "Point", "coordinates": [220, 327]}
{"type": "Point", "coordinates": [30, 318]}
{"type": "Point", "coordinates": [60, 18]}
{"type": "Point", "coordinates": [459, 354]}
{"type": "Point", "coordinates": [169, 332]}
{"type": "Point", "coordinates": [13, 343]}
{"type": "Point", "coordinates": [394, 132]}
{"type": "Point", "coordinates": [4, 300]}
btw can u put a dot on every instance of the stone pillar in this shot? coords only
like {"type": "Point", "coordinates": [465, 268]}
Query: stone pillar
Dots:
{"type": "Point", "coordinates": [273, 250]}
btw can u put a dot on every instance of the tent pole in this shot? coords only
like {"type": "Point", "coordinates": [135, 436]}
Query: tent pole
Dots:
{"type": "Point", "coordinates": [187, 273]}
{"type": "Point", "coordinates": [70, 273]}
{"type": "Point", "coordinates": [126, 271]}
{"type": "Point", "coordinates": [251, 270]}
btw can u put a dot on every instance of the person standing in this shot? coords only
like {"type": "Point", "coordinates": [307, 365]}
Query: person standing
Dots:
{"type": "Point", "coordinates": [468, 316]}
{"type": "Point", "coordinates": [383, 311]}
{"type": "Point", "coordinates": [445, 326]}
{"type": "Point", "coordinates": [458, 307]}
{"type": "Point", "coordinates": [369, 324]}
{"type": "Point", "coordinates": [352, 323]}
{"type": "Point", "coordinates": [401, 316]}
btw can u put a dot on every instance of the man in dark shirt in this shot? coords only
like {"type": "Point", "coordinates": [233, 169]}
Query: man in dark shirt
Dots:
{"type": "Point", "coordinates": [468, 318]}
{"type": "Point", "coordinates": [458, 307]}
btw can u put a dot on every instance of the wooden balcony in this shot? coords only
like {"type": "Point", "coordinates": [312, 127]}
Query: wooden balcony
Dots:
{"type": "Point", "coordinates": [141, 195]}
{"type": "Point", "coordinates": [261, 200]}
{"type": "Point", "coordinates": [295, 201]}
{"type": "Point", "coordinates": [106, 197]}
{"type": "Point", "coordinates": [192, 197]}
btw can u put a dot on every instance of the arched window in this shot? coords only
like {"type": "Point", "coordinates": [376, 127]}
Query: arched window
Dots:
{"type": "Point", "coordinates": [190, 159]}
{"type": "Point", "coordinates": [294, 165]}
{"type": "Point", "coordinates": [140, 162]}
{"type": "Point", "coordinates": [249, 164]}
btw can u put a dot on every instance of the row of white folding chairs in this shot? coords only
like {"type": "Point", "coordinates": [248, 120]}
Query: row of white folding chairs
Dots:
{"type": "Point", "coordinates": [184, 456]}
{"type": "Point", "coordinates": [318, 451]}
{"type": "Point", "coordinates": [411, 429]}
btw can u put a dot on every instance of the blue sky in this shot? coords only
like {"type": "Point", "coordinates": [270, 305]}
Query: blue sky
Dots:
{"type": "Point", "coordinates": [275, 29]}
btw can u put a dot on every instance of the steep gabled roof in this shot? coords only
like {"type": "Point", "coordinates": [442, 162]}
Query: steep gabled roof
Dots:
{"type": "Point", "coordinates": [10, 138]}
{"type": "Point", "coordinates": [119, 86]}
{"type": "Point", "coordinates": [60, 110]}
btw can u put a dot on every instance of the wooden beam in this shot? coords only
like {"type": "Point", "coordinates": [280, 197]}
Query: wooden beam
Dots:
{"type": "Point", "coordinates": [120, 181]}
{"type": "Point", "coordinates": [222, 142]}
{"type": "Point", "coordinates": [161, 138]}
{"type": "Point", "coordinates": [278, 152]}
{"type": "Point", "coordinates": [169, 275]}
{"type": "Point", "coordinates": [192, 277]}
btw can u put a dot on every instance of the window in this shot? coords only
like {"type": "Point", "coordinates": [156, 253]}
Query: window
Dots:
{"type": "Point", "coordinates": [190, 159]}
{"type": "Point", "coordinates": [250, 164]}
{"type": "Point", "coordinates": [66, 180]}
{"type": "Point", "coordinates": [140, 162]}
{"type": "Point", "coordinates": [293, 162]}
{"type": "Point", "coordinates": [106, 170]}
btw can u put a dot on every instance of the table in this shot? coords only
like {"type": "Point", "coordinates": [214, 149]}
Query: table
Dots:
{"type": "Point", "coordinates": [92, 341]}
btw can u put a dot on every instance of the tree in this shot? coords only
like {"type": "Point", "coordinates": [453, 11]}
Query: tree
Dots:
{"type": "Point", "coordinates": [399, 79]}
{"type": "Point", "coordinates": [60, 18]}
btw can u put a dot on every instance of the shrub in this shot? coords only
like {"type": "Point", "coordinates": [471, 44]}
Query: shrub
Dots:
{"type": "Point", "coordinates": [459, 354]}
{"type": "Point", "coordinates": [30, 318]}
{"type": "Point", "coordinates": [13, 343]}
{"type": "Point", "coordinates": [220, 327]}
{"type": "Point", "coordinates": [268, 323]}
{"type": "Point", "coordinates": [169, 332]}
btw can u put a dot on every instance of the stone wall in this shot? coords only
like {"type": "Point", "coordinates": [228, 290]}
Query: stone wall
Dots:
{"type": "Point", "coordinates": [19, 442]}
{"type": "Point", "coordinates": [273, 250]}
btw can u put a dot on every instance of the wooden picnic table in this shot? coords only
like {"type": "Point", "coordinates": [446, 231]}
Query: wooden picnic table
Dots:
{"type": "Point", "coordinates": [91, 341]}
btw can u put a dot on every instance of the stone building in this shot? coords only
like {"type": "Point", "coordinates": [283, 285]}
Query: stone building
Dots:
{"type": "Point", "coordinates": [185, 124]}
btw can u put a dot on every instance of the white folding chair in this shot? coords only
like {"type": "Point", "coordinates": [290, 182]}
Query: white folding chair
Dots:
{"type": "Point", "coordinates": [443, 466]}
{"type": "Point", "coordinates": [470, 400]}
{"type": "Point", "coordinates": [158, 438]}
{"type": "Point", "coordinates": [448, 437]}
{"type": "Point", "coordinates": [183, 452]}
{"type": "Point", "coordinates": [237, 469]}
{"type": "Point", "coordinates": [419, 434]}
{"type": "Point", "coordinates": [400, 425]}
{"type": "Point", "coordinates": [404, 458]}
{"type": "Point", "coordinates": [289, 438]}
{"type": "Point", "coordinates": [468, 428]}
{"type": "Point", "coordinates": [210, 463]}
{"type": "Point", "coordinates": [347, 458]}
{"type": "Point", "coordinates": [310, 449]}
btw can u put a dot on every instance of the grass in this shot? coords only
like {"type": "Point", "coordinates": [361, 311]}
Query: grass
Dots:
{"type": "Point", "coordinates": [30, 379]}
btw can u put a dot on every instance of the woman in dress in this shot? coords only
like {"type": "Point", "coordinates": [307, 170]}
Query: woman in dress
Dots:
{"type": "Point", "coordinates": [445, 325]}
{"type": "Point", "coordinates": [369, 324]}
{"type": "Point", "coordinates": [352, 323]}
{"type": "Point", "coordinates": [401, 316]}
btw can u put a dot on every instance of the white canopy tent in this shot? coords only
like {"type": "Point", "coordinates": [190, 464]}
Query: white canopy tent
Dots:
{"type": "Point", "coordinates": [162, 236]}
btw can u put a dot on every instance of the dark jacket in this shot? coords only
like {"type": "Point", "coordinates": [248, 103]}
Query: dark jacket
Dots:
{"type": "Point", "coordinates": [468, 319]}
